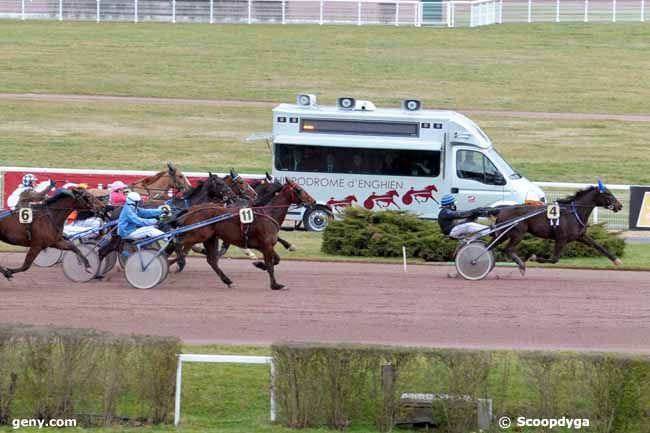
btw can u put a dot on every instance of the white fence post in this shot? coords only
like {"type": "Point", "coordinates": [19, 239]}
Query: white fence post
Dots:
{"type": "Point", "coordinates": [135, 11]}
{"type": "Point", "coordinates": [60, 10]}
{"type": "Point", "coordinates": [22, 10]}
{"type": "Point", "coordinates": [177, 398]}
{"type": "Point", "coordinates": [98, 9]}
{"type": "Point", "coordinates": [453, 14]}
{"type": "Point", "coordinates": [613, 11]}
{"type": "Point", "coordinates": [359, 13]}
{"type": "Point", "coordinates": [173, 11]}
{"type": "Point", "coordinates": [642, 10]}
{"type": "Point", "coordinates": [321, 13]}
{"type": "Point", "coordinates": [272, 374]}
{"type": "Point", "coordinates": [530, 11]}
{"type": "Point", "coordinates": [500, 11]}
{"type": "Point", "coordinates": [471, 15]}
{"type": "Point", "coordinates": [284, 12]}
{"type": "Point", "coordinates": [586, 11]}
{"type": "Point", "coordinates": [250, 11]}
{"type": "Point", "coordinates": [595, 215]}
{"type": "Point", "coordinates": [557, 11]}
{"type": "Point", "coordinates": [211, 11]}
{"type": "Point", "coordinates": [397, 13]}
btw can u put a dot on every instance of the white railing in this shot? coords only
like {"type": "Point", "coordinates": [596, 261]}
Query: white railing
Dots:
{"type": "Point", "coordinates": [453, 13]}
{"type": "Point", "coordinates": [222, 359]}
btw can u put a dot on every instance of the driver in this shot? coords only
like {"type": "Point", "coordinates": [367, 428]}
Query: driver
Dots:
{"type": "Point", "coordinates": [136, 222]}
{"type": "Point", "coordinates": [456, 224]}
{"type": "Point", "coordinates": [28, 184]}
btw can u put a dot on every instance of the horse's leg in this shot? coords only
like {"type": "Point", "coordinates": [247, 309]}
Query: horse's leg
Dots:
{"type": "Point", "coordinates": [588, 240]}
{"type": "Point", "coordinates": [213, 259]}
{"type": "Point", "coordinates": [224, 249]}
{"type": "Point", "coordinates": [29, 259]}
{"type": "Point", "coordinates": [286, 244]}
{"type": "Point", "coordinates": [557, 252]}
{"type": "Point", "coordinates": [261, 265]}
{"type": "Point", "coordinates": [62, 244]}
{"type": "Point", "coordinates": [270, 258]}
{"type": "Point", "coordinates": [511, 249]}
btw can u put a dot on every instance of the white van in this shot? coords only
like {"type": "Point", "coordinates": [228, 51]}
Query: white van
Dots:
{"type": "Point", "coordinates": [354, 154]}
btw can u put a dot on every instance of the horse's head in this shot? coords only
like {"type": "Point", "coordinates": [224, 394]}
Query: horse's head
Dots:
{"type": "Point", "coordinates": [240, 186]}
{"type": "Point", "coordinates": [351, 198]}
{"type": "Point", "coordinates": [393, 193]}
{"type": "Point", "coordinates": [604, 198]}
{"type": "Point", "coordinates": [84, 200]}
{"type": "Point", "coordinates": [298, 195]}
{"type": "Point", "coordinates": [218, 190]}
{"type": "Point", "coordinates": [178, 180]}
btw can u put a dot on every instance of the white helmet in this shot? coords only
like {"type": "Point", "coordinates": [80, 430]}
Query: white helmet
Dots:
{"type": "Point", "coordinates": [133, 198]}
{"type": "Point", "coordinates": [28, 179]}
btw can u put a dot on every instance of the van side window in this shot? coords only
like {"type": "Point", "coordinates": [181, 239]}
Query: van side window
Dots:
{"type": "Point", "coordinates": [357, 160]}
{"type": "Point", "coordinates": [474, 165]}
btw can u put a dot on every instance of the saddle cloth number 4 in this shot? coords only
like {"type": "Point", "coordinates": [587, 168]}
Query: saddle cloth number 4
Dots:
{"type": "Point", "coordinates": [246, 215]}
{"type": "Point", "coordinates": [553, 211]}
{"type": "Point", "coordinates": [25, 215]}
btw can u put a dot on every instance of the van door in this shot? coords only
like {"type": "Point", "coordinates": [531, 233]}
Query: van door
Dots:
{"type": "Point", "coordinates": [476, 180]}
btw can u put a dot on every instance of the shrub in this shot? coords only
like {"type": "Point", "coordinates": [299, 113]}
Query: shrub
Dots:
{"type": "Point", "coordinates": [346, 385]}
{"type": "Point", "coordinates": [382, 234]}
{"type": "Point", "coordinates": [84, 374]}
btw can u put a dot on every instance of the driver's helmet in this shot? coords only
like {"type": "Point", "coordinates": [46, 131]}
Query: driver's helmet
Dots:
{"type": "Point", "coordinates": [447, 200]}
{"type": "Point", "coordinates": [133, 198]}
{"type": "Point", "coordinates": [28, 180]}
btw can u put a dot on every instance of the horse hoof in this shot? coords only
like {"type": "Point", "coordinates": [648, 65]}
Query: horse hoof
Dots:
{"type": "Point", "coordinates": [8, 275]}
{"type": "Point", "coordinates": [452, 275]}
{"type": "Point", "coordinates": [277, 286]}
{"type": "Point", "coordinates": [292, 248]}
{"type": "Point", "coordinates": [522, 271]}
{"type": "Point", "coordinates": [532, 258]}
{"type": "Point", "coordinates": [260, 265]}
{"type": "Point", "coordinates": [618, 262]}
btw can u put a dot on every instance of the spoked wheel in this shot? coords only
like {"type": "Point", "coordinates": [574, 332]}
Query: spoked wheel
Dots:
{"type": "Point", "coordinates": [73, 266]}
{"type": "Point", "coordinates": [474, 261]}
{"type": "Point", "coordinates": [146, 269]}
{"type": "Point", "coordinates": [108, 263]}
{"type": "Point", "coordinates": [48, 257]}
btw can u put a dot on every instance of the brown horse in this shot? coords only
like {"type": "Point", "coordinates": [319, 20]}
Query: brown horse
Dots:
{"type": "Point", "coordinates": [261, 234]}
{"type": "Point", "coordinates": [575, 211]}
{"type": "Point", "coordinates": [239, 186]}
{"type": "Point", "coordinates": [46, 228]}
{"type": "Point", "coordinates": [157, 186]}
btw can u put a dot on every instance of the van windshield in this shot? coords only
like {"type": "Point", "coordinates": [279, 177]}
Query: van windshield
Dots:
{"type": "Point", "coordinates": [507, 169]}
{"type": "Point", "coordinates": [356, 160]}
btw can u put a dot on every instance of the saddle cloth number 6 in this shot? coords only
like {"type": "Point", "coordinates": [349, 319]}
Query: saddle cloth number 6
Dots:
{"type": "Point", "coordinates": [25, 215]}
{"type": "Point", "coordinates": [246, 215]}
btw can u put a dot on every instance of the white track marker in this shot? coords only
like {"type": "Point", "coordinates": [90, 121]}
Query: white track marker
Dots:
{"type": "Point", "coordinates": [404, 256]}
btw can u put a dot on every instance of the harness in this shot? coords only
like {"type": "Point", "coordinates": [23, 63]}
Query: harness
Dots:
{"type": "Point", "coordinates": [574, 211]}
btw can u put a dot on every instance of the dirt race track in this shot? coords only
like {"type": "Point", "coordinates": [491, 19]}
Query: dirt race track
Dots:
{"type": "Point", "coordinates": [559, 308]}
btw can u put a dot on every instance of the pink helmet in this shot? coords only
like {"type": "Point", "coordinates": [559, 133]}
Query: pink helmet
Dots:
{"type": "Point", "coordinates": [117, 185]}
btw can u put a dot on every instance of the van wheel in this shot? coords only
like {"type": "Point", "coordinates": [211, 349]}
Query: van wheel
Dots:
{"type": "Point", "coordinates": [316, 219]}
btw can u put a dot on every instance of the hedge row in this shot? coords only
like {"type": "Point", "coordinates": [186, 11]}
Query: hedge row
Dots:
{"type": "Point", "coordinates": [382, 234]}
{"type": "Point", "coordinates": [341, 385]}
{"type": "Point", "coordinates": [91, 376]}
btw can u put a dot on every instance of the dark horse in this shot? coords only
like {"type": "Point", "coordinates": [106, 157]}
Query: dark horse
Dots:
{"type": "Point", "coordinates": [261, 234]}
{"type": "Point", "coordinates": [574, 217]}
{"type": "Point", "coordinates": [46, 229]}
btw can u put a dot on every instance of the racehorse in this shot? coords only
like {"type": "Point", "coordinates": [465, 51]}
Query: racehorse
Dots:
{"type": "Point", "coordinates": [46, 228]}
{"type": "Point", "coordinates": [261, 234]}
{"type": "Point", "coordinates": [239, 186]}
{"type": "Point", "coordinates": [574, 217]}
{"type": "Point", "coordinates": [157, 186]}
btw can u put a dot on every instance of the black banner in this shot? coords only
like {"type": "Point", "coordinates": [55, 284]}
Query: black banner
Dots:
{"type": "Point", "coordinates": [640, 208]}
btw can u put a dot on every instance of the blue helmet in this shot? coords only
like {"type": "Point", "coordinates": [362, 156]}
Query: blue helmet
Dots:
{"type": "Point", "coordinates": [447, 200]}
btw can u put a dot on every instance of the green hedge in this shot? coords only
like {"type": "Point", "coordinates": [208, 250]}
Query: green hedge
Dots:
{"type": "Point", "coordinates": [341, 385]}
{"type": "Point", "coordinates": [361, 232]}
{"type": "Point", "coordinates": [91, 376]}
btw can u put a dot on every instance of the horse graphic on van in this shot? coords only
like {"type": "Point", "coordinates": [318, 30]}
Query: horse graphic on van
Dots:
{"type": "Point", "coordinates": [339, 205]}
{"type": "Point", "coordinates": [420, 195]}
{"type": "Point", "coordinates": [383, 201]}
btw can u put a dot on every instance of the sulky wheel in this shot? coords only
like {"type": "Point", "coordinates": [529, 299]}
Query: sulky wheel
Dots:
{"type": "Point", "coordinates": [474, 261]}
{"type": "Point", "coordinates": [73, 266]}
{"type": "Point", "coordinates": [48, 257]}
{"type": "Point", "coordinates": [145, 269]}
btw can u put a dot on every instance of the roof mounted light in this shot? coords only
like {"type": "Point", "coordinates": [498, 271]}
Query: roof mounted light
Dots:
{"type": "Point", "coordinates": [346, 103]}
{"type": "Point", "coordinates": [306, 100]}
{"type": "Point", "coordinates": [411, 105]}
